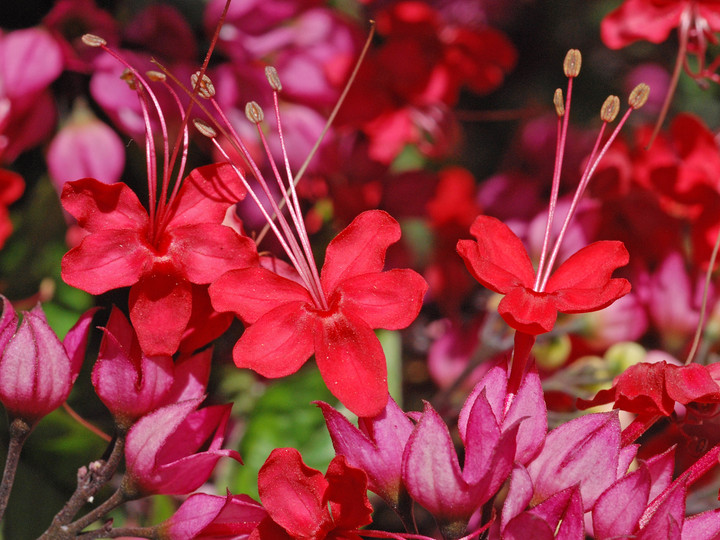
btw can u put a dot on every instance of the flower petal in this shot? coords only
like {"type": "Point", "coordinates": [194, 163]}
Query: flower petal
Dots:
{"type": "Point", "coordinates": [252, 292]}
{"type": "Point", "coordinates": [528, 311]}
{"type": "Point", "coordinates": [618, 509]}
{"type": "Point", "coordinates": [497, 259]}
{"type": "Point", "coordinates": [278, 343]}
{"type": "Point", "coordinates": [351, 362]}
{"type": "Point", "coordinates": [640, 19]}
{"type": "Point", "coordinates": [359, 248]}
{"type": "Point", "coordinates": [390, 300]}
{"type": "Point", "coordinates": [347, 495]}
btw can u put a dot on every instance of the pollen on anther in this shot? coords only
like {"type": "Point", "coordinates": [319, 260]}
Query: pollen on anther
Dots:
{"type": "Point", "coordinates": [559, 103]}
{"type": "Point", "coordinates": [572, 63]}
{"type": "Point", "coordinates": [91, 40]}
{"type": "Point", "coordinates": [204, 86]}
{"type": "Point", "coordinates": [610, 109]}
{"type": "Point", "coordinates": [129, 77]}
{"type": "Point", "coordinates": [273, 78]}
{"type": "Point", "coordinates": [253, 112]}
{"type": "Point", "coordinates": [156, 76]}
{"type": "Point", "coordinates": [204, 129]}
{"type": "Point", "coordinates": [639, 96]}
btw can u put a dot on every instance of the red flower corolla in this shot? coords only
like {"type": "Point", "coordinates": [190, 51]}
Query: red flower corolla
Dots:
{"type": "Point", "coordinates": [11, 187]}
{"type": "Point", "coordinates": [499, 261]}
{"type": "Point", "coordinates": [332, 317]}
{"type": "Point", "coordinates": [650, 389]}
{"type": "Point", "coordinates": [163, 449]}
{"type": "Point", "coordinates": [131, 384]}
{"type": "Point", "coordinates": [37, 371]}
{"type": "Point", "coordinates": [303, 504]}
{"type": "Point", "coordinates": [159, 259]}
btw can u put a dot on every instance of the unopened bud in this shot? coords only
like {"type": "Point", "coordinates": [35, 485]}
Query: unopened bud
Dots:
{"type": "Point", "coordinates": [639, 96]}
{"type": "Point", "coordinates": [91, 40]}
{"type": "Point", "coordinates": [610, 109]}
{"type": "Point", "coordinates": [572, 63]}
{"type": "Point", "coordinates": [559, 102]}
{"type": "Point", "coordinates": [129, 77]}
{"type": "Point", "coordinates": [156, 76]}
{"type": "Point", "coordinates": [204, 86]}
{"type": "Point", "coordinates": [273, 78]}
{"type": "Point", "coordinates": [204, 129]}
{"type": "Point", "coordinates": [253, 112]}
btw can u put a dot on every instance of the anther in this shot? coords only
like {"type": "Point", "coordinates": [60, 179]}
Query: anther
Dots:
{"type": "Point", "coordinates": [559, 102]}
{"type": "Point", "coordinates": [129, 77]}
{"type": "Point", "coordinates": [156, 76]}
{"type": "Point", "coordinates": [253, 112]}
{"type": "Point", "coordinates": [91, 40]}
{"type": "Point", "coordinates": [273, 78]}
{"type": "Point", "coordinates": [204, 86]}
{"type": "Point", "coordinates": [639, 96]}
{"type": "Point", "coordinates": [572, 63]}
{"type": "Point", "coordinates": [204, 129]}
{"type": "Point", "coordinates": [610, 109]}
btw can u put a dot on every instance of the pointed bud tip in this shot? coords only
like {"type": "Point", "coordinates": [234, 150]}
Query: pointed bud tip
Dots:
{"type": "Point", "coordinates": [572, 63]}
{"type": "Point", "coordinates": [639, 96]}
{"type": "Point", "coordinates": [204, 129]}
{"type": "Point", "coordinates": [610, 109]}
{"type": "Point", "coordinates": [559, 102]}
{"type": "Point", "coordinates": [253, 112]}
{"type": "Point", "coordinates": [273, 78]}
{"type": "Point", "coordinates": [91, 40]}
{"type": "Point", "coordinates": [204, 86]}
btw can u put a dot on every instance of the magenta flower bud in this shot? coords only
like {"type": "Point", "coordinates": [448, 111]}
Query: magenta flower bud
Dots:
{"type": "Point", "coordinates": [162, 450]}
{"type": "Point", "coordinates": [376, 447]}
{"type": "Point", "coordinates": [209, 516]}
{"type": "Point", "coordinates": [36, 370]}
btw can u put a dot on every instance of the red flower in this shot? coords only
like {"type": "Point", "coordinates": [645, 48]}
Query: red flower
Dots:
{"type": "Point", "coordinates": [159, 259]}
{"type": "Point", "coordinates": [11, 187]}
{"type": "Point", "coordinates": [499, 261]}
{"type": "Point", "coordinates": [302, 503]}
{"type": "Point", "coordinates": [332, 317]}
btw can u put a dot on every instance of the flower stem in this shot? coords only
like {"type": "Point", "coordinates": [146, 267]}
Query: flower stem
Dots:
{"type": "Point", "coordinates": [19, 432]}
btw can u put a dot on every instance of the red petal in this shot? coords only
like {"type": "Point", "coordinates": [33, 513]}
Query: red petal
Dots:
{"type": "Point", "coordinates": [352, 363]}
{"type": "Point", "coordinates": [292, 493]}
{"type": "Point", "coordinates": [252, 292]}
{"type": "Point", "coordinates": [390, 300]}
{"type": "Point", "coordinates": [641, 389]}
{"type": "Point", "coordinates": [206, 194]}
{"type": "Point", "coordinates": [106, 260]}
{"type": "Point", "coordinates": [359, 248]}
{"type": "Point", "coordinates": [640, 19]}
{"type": "Point", "coordinates": [498, 259]}
{"type": "Point", "coordinates": [160, 309]}
{"type": "Point", "coordinates": [528, 311]}
{"type": "Point", "coordinates": [690, 383]}
{"type": "Point", "coordinates": [278, 343]}
{"type": "Point", "coordinates": [206, 251]}
{"type": "Point", "coordinates": [99, 207]}
{"type": "Point", "coordinates": [347, 495]}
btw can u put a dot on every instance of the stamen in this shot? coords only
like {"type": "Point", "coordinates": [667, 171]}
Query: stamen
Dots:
{"type": "Point", "coordinates": [91, 40]}
{"type": "Point", "coordinates": [156, 76]}
{"type": "Point", "coordinates": [129, 77]}
{"type": "Point", "coordinates": [273, 78]}
{"type": "Point", "coordinates": [639, 96]}
{"type": "Point", "coordinates": [610, 109]}
{"type": "Point", "coordinates": [572, 63]}
{"type": "Point", "coordinates": [559, 103]}
{"type": "Point", "coordinates": [204, 85]}
{"type": "Point", "coordinates": [204, 129]}
{"type": "Point", "coordinates": [254, 112]}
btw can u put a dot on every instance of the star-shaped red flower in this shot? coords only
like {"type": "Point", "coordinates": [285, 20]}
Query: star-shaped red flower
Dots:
{"type": "Point", "coordinates": [159, 259]}
{"type": "Point", "coordinates": [499, 261]}
{"type": "Point", "coordinates": [285, 325]}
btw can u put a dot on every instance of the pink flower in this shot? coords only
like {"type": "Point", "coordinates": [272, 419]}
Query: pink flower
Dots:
{"type": "Point", "coordinates": [162, 449]}
{"type": "Point", "coordinates": [333, 315]}
{"type": "Point", "coordinates": [37, 371]}
{"type": "Point", "coordinates": [131, 384]}
{"type": "Point", "coordinates": [302, 503]}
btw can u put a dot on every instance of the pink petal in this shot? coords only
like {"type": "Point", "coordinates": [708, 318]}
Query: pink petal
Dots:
{"type": "Point", "coordinates": [293, 493]}
{"type": "Point", "coordinates": [351, 362]}
{"type": "Point", "coordinates": [106, 260]}
{"type": "Point", "coordinates": [203, 516]}
{"type": "Point", "coordinates": [497, 259]}
{"type": "Point", "coordinates": [31, 47]}
{"type": "Point", "coordinates": [191, 377]}
{"type": "Point", "coordinates": [618, 509]}
{"type": "Point", "coordinates": [705, 525]}
{"type": "Point", "coordinates": [359, 248]}
{"type": "Point", "coordinates": [278, 343]}
{"type": "Point", "coordinates": [390, 300]}
{"type": "Point", "coordinates": [160, 310]}
{"type": "Point", "coordinates": [667, 518]}
{"type": "Point", "coordinates": [99, 207]}
{"type": "Point", "coordinates": [520, 493]}
{"type": "Point", "coordinates": [205, 251]}
{"type": "Point", "coordinates": [482, 434]}
{"type": "Point", "coordinates": [252, 292]}
{"type": "Point", "coordinates": [8, 322]}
